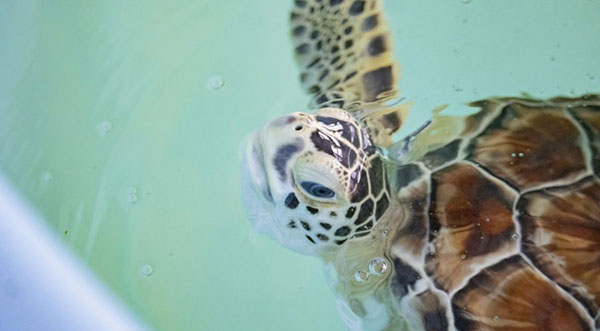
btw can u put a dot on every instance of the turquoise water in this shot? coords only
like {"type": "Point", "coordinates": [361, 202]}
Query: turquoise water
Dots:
{"type": "Point", "coordinates": [122, 122]}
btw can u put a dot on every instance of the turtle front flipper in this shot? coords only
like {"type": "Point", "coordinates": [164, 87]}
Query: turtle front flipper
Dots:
{"type": "Point", "coordinates": [344, 51]}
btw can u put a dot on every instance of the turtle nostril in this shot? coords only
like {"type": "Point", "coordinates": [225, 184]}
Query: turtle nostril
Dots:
{"type": "Point", "coordinates": [298, 127]}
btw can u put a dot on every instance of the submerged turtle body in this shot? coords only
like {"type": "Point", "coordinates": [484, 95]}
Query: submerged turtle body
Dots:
{"type": "Point", "coordinates": [488, 222]}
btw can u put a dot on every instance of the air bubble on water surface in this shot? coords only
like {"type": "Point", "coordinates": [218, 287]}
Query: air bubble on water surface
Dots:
{"type": "Point", "coordinates": [132, 196]}
{"type": "Point", "coordinates": [215, 82]}
{"type": "Point", "coordinates": [104, 128]}
{"type": "Point", "coordinates": [146, 270]}
{"type": "Point", "coordinates": [515, 236]}
{"type": "Point", "coordinates": [46, 177]}
{"type": "Point", "coordinates": [361, 276]}
{"type": "Point", "coordinates": [457, 88]}
{"type": "Point", "coordinates": [378, 266]}
{"type": "Point", "coordinates": [463, 257]}
{"type": "Point", "coordinates": [496, 318]}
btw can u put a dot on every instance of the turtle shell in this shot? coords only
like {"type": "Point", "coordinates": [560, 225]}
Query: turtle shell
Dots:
{"type": "Point", "coordinates": [505, 218]}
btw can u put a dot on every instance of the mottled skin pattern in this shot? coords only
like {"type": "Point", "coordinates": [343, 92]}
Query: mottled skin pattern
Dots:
{"type": "Point", "coordinates": [489, 222]}
{"type": "Point", "coordinates": [342, 49]}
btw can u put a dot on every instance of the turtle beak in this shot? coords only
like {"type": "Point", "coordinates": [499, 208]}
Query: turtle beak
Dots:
{"type": "Point", "coordinates": [255, 163]}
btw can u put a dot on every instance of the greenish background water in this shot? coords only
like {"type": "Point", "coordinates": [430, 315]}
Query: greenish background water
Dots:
{"type": "Point", "coordinates": [110, 126]}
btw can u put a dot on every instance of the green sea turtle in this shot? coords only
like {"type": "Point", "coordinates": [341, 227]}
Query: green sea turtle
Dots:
{"type": "Point", "coordinates": [487, 222]}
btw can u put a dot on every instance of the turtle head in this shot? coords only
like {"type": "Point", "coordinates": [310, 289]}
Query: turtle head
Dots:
{"type": "Point", "coordinates": [314, 181]}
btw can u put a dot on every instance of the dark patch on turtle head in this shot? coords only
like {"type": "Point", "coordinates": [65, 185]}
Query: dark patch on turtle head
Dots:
{"type": "Point", "coordinates": [347, 130]}
{"type": "Point", "coordinates": [359, 185]}
{"type": "Point", "coordinates": [291, 201]}
{"type": "Point", "coordinates": [366, 210]}
{"type": "Point", "coordinates": [333, 146]}
{"type": "Point", "coordinates": [382, 205]}
{"type": "Point", "coordinates": [283, 155]}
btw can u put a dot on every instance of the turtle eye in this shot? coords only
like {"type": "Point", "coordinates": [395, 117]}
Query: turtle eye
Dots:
{"type": "Point", "coordinates": [317, 190]}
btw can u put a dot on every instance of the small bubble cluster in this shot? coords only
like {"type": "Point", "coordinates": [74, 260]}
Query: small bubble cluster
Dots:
{"type": "Point", "coordinates": [104, 128]}
{"type": "Point", "coordinates": [361, 276]}
{"type": "Point", "coordinates": [46, 177]}
{"type": "Point", "coordinates": [132, 196]}
{"type": "Point", "coordinates": [215, 82]}
{"type": "Point", "coordinates": [376, 267]}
